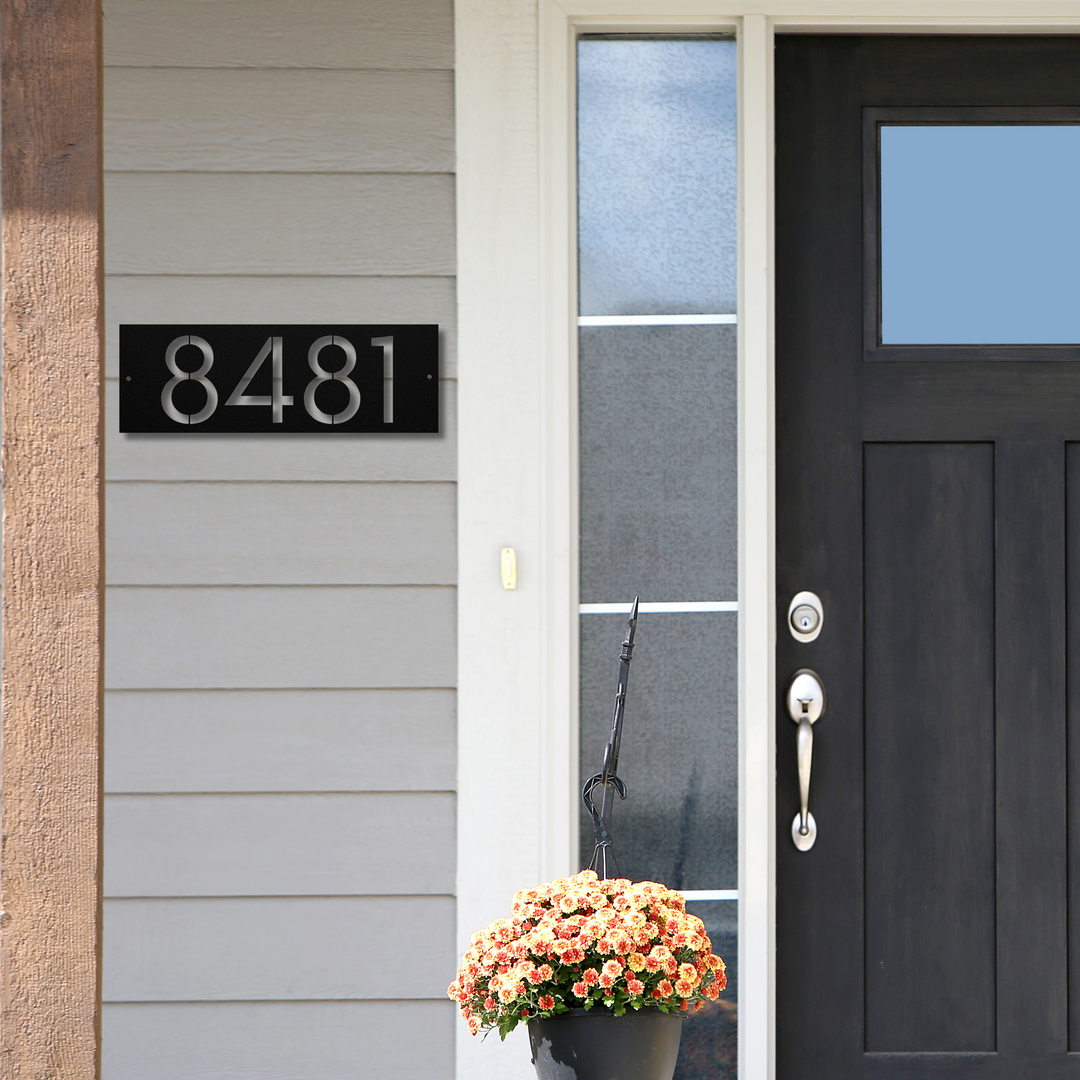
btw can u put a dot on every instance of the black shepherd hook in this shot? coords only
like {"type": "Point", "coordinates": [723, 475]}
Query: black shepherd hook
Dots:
{"type": "Point", "coordinates": [608, 779]}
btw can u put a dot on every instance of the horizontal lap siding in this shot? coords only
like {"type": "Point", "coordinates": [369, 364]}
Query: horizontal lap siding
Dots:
{"type": "Point", "coordinates": [267, 121]}
{"type": "Point", "coordinates": [400, 35]}
{"type": "Point", "coordinates": [280, 722]}
{"type": "Point", "coordinates": [294, 636]}
{"type": "Point", "coordinates": [278, 1040]}
{"type": "Point", "coordinates": [364, 534]}
{"type": "Point", "coordinates": [279, 740]}
{"type": "Point", "coordinates": [276, 948]}
{"type": "Point", "coordinates": [309, 844]}
{"type": "Point", "coordinates": [279, 223]}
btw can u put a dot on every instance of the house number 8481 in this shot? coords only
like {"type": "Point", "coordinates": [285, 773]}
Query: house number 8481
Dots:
{"type": "Point", "coordinates": [277, 399]}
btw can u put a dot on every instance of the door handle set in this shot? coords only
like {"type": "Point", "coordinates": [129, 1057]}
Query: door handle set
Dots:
{"type": "Point", "coordinates": [805, 705]}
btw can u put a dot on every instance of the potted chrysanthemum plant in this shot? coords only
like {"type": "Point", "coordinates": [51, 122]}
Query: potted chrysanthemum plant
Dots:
{"type": "Point", "coordinates": [602, 972]}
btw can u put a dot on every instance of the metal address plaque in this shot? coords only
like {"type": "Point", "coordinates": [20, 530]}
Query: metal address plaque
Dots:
{"type": "Point", "coordinates": [213, 378]}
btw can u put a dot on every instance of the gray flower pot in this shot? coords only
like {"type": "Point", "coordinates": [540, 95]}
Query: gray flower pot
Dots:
{"type": "Point", "coordinates": [595, 1045]}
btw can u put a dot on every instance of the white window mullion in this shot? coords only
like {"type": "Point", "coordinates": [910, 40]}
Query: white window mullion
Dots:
{"type": "Point", "coordinates": [757, 631]}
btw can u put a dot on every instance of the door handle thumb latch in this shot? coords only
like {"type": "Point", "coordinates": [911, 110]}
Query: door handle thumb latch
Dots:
{"type": "Point", "coordinates": [805, 704]}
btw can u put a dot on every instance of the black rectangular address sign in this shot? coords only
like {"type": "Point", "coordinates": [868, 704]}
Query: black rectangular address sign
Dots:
{"type": "Point", "coordinates": [214, 378]}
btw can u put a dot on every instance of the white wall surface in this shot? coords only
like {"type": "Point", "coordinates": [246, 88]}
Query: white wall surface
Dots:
{"type": "Point", "coordinates": [280, 721]}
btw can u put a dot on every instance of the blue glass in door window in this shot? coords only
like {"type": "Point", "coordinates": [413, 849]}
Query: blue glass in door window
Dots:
{"type": "Point", "coordinates": [980, 234]}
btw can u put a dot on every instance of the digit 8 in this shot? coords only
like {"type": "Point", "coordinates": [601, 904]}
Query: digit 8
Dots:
{"type": "Point", "coordinates": [199, 375]}
{"type": "Point", "coordinates": [322, 375]}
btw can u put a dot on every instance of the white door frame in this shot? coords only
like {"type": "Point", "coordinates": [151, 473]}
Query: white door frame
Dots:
{"type": "Point", "coordinates": [517, 447]}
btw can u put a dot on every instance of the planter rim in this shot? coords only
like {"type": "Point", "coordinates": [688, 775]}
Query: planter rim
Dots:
{"type": "Point", "coordinates": [601, 1010]}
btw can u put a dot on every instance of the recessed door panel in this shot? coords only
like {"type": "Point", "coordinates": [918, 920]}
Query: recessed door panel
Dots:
{"type": "Point", "coordinates": [929, 542]}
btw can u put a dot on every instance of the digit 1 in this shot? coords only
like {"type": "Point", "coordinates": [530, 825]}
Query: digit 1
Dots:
{"type": "Point", "coordinates": [387, 344]}
{"type": "Point", "coordinates": [276, 400]}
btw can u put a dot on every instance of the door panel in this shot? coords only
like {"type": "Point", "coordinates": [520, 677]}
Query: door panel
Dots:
{"type": "Point", "coordinates": [925, 500]}
{"type": "Point", "coordinates": [929, 543]}
{"type": "Point", "coordinates": [1031, 748]}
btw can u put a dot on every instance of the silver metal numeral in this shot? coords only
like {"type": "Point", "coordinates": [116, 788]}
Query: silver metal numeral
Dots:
{"type": "Point", "coordinates": [276, 399]}
{"type": "Point", "coordinates": [322, 376]}
{"type": "Point", "coordinates": [387, 344]}
{"type": "Point", "coordinates": [179, 376]}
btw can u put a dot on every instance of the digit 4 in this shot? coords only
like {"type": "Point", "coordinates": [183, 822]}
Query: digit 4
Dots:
{"type": "Point", "coordinates": [276, 399]}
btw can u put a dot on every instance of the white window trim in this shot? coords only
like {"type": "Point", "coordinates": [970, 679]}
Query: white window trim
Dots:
{"type": "Point", "coordinates": [517, 446]}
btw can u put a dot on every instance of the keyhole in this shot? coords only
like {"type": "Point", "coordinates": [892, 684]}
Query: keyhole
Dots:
{"type": "Point", "coordinates": [804, 618]}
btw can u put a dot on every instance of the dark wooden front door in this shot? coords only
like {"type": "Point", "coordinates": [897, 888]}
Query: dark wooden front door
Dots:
{"type": "Point", "coordinates": [930, 495]}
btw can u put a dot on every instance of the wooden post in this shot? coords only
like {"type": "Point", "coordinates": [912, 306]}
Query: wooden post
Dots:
{"type": "Point", "coordinates": [50, 858]}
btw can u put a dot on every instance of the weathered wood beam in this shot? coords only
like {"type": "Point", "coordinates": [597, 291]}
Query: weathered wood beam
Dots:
{"type": "Point", "coordinates": [50, 854]}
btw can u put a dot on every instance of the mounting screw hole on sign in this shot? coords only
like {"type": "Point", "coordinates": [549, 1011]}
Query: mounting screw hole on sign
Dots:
{"type": "Point", "coordinates": [279, 378]}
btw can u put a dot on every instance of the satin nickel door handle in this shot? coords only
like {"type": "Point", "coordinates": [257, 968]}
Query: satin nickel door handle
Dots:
{"type": "Point", "coordinates": [805, 704]}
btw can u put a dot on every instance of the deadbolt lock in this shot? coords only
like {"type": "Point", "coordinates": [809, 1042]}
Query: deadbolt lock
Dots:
{"type": "Point", "coordinates": [805, 616]}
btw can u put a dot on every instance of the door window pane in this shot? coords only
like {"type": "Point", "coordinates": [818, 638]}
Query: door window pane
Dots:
{"type": "Point", "coordinates": [980, 234]}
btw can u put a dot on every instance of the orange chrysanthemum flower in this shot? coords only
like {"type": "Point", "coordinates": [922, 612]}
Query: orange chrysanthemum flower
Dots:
{"type": "Point", "coordinates": [690, 973]}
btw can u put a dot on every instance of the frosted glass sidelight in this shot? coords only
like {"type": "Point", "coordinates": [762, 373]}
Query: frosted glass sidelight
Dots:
{"type": "Point", "coordinates": [679, 758]}
{"type": "Point", "coordinates": [658, 463]}
{"type": "Point", "coordinates": [980, 229]}
{"type": "Point", "coordinates": [709, 1042]}
{"type": "Point", "coordinates": [658, 477]}
{"type": "Point", "coordinates": [656, 175]}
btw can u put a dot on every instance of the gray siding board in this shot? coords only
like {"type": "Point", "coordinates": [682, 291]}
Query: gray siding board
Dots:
{"type": "Point", "coordinates": [279, 740]}
{"type": "Point", "coordinates": [279, 949]}
{"type": "Point", "coordinates": [189, 120]}
{"type": "Point", "coordinates": [326, 844]}
{"type": "Point", "coordinates": [286, 533]}
{"type": "Point", "coordinates": [273, 1040]}
{"type": "Point", "coordinates": [279, 223]}
{"type": "Point", "coordinates": [195, 637]}
{"type": "Point", "coordinates": [282, 457]}
{"type": "Point", "coordinates": [155, 298]}
{"type": "Point", "coordinates": [391, 34]}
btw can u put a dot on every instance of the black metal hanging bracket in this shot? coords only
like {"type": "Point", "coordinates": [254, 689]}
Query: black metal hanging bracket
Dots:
{"type": "Point", "coordinates": [608, 779]}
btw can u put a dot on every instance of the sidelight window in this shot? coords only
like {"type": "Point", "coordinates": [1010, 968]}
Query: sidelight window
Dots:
{"type": "Point", "coordinates": [657, 413]}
